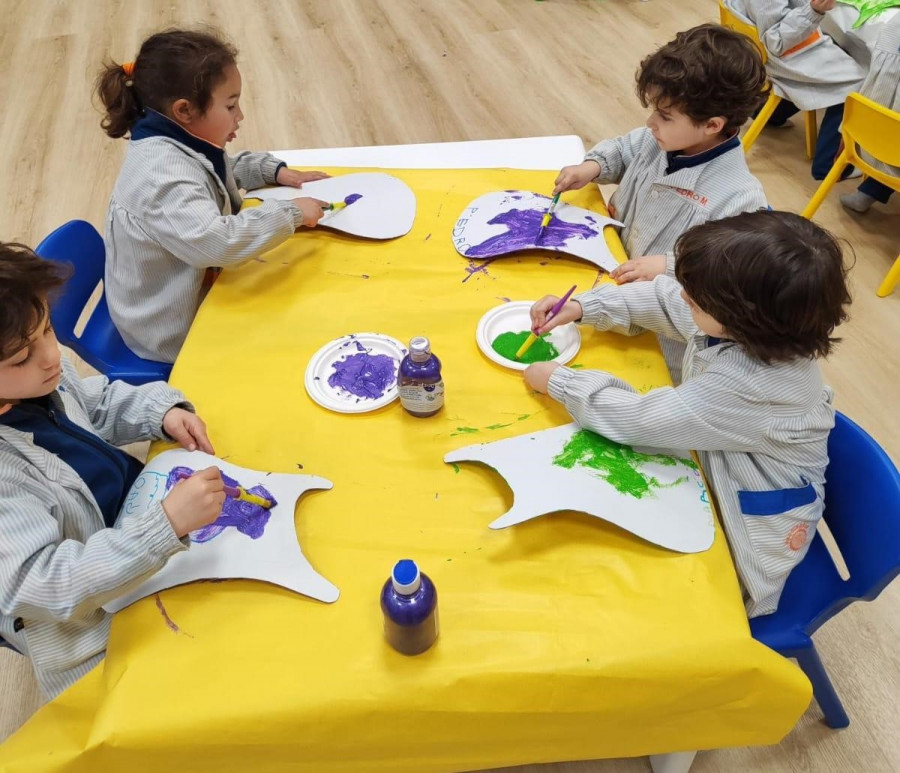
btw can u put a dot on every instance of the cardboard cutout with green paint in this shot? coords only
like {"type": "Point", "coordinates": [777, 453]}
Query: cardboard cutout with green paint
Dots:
{"type": "Point", "coordinates": [658, 495]}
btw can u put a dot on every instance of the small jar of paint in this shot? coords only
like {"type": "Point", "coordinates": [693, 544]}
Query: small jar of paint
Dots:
{"type": "Point", "coordinates": [419, 380]}
{"type": "Point", "coordinates": [409, 604]}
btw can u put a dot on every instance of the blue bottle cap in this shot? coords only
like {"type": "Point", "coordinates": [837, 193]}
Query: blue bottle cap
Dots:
{"type": "Point", "coordinates": [405, 577]}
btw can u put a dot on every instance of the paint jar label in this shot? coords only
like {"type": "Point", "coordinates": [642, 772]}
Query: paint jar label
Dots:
{"type": "Point", "coordinates": [422, 398]}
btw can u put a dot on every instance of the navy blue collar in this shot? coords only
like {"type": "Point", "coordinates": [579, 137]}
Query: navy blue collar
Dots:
{"type": "Point", "coordinates": [155, 124]}
{"type": "Point", "coordinates": [676, 161]}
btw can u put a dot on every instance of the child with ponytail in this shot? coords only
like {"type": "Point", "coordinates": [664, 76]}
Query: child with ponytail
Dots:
{"type": "Point", "coordinates": [175, 211]}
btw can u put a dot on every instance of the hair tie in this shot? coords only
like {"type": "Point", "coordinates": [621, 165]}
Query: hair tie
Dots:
{"type": "Point", "coordinates": [128, 68]}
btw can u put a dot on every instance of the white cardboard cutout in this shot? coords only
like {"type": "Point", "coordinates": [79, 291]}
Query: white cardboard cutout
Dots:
{"type": "Point", "coordinates": [504, 222]}
{"type": "Point", "coordinates": [273, 557]}
{"type": "Point", "coordinates": [673, 512]}
{"type": "Point", "coordinates": [386, 208]}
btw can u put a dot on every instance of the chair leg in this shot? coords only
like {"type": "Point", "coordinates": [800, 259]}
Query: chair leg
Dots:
{"type": "Point", "coordinates": [812, 133]}
{"type": "Point", "coordinates": [760, 121]}
{"type": "Point", "coordinates": [826, 697]}
{"type": "Point", "coordinates": [826, 185]}
{"type": "Point", "coordinates": [890, 281]}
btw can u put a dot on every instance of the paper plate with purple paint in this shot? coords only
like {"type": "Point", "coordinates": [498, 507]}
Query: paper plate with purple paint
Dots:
{"type": "Point", "coordinates": [355, 373]}
{"type": "Point", "coordinates": [503, 329]}
{"type": "Point", "coordinates": [504, 222]}
{"type": "Point", "coordinates": [656, 494]}
{"type": "Point", "coordinates": [379, 206]}
{"type": "Point", "coordinates": [246, 541]}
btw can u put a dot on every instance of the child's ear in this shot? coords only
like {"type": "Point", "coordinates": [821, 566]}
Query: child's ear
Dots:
{"type": "Point", "coordinates": [183, 111]}
{"type": "Point", "coordinates": [715, 125]}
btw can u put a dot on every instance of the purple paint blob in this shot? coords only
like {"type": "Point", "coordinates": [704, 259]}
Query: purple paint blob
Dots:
{"type": "Point", "coordinates": [477, 268]}
{"type": "Point", "coordinates": [353, 197]}
{"type": "Point", "coordinates": [247, 518]}
{"type": "Point", "coordinates": [522, 226]}
{"type": "Point", "coordinates": [364, 375]}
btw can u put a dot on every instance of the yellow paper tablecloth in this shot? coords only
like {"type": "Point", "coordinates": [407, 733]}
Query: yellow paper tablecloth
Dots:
{"type": "Point", "coordinates": [561, 638]}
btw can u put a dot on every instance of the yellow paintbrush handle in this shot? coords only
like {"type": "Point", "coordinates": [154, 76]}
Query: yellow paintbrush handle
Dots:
{"type": "Point", "coordinates": [546, 220]}
{"type": "Point", "coordinates": [337, 205]}
{"type": "Point", "coordinates": [526, 346]}
{"type": "Point", "coordinates": [253, 499]}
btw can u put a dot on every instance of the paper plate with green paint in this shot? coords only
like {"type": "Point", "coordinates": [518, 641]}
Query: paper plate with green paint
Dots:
{"type": "Point", "coordinates": [655, 494]}
{"type": "Point", "coordinates": [502, 330]}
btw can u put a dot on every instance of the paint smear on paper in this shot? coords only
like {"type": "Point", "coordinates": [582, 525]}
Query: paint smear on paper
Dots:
{"type": "Point", "coordinates": [507, 344]}
{"type": "Point", "coordinates": [522, 227]}
{"type": "Point", "coordinates": [619, 465]}
{"type": "Point", "coordinates": [364, 375]}
{"type": "Point", "coordinates": [249, 519]}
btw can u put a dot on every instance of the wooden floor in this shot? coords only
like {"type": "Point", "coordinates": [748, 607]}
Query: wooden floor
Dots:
{"type": "Point", "coordinates": [360, 72]}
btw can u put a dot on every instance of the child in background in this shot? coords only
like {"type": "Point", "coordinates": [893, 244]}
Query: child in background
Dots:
{"type": "Point", "coordinates": [687, 166]}
{"type": "Point", "coordinates": [175, 209]}
{"type": "Point", "coordinates": [806, 67]}
{"type": "Point", "coordinates": [759, 297]}
{"type": "Point", "coordinates": [63, 550]}
{"type": "Point", "coordinates": [882, 85]}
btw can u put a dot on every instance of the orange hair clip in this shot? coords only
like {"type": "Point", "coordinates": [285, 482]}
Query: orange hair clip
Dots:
{"type": "Point", "coordinates": [128, 67]}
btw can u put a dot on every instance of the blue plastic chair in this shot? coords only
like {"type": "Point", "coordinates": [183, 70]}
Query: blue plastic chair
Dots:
{"type": "Point", "coordinates": [100, 344]}
{"type": "Point", "coordinates": [862, 510]}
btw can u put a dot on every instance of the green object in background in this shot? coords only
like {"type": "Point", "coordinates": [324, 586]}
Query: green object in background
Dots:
{"type": "Point", "coordinates": [869, 8]}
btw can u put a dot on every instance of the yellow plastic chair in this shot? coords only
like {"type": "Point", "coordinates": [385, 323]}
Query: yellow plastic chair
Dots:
{"type": "Point", "coordinates": [734, 22]}
{"type": "Point", "coordinates": [875, 129]}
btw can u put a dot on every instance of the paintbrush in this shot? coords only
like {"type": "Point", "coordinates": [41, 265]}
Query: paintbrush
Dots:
{"type": "Point", "coordinates": [236, 492]}
{"type": "Point", "coordinates": [336, 206]}
{"type": "Point", "coordinates": [557, 307]}
{"type": "Point", "coordinates": [545, 221]}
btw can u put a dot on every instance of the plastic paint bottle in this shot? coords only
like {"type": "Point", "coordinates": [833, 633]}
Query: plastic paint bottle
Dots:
{"type": "Point", "coordinates": [420, 382]}
{"type": "Point", "coordinates": [409, 604]}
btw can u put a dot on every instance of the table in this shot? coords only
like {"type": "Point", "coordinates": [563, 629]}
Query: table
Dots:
{"type": "Point", "coordinates": [858, 43]}
{"type": "Point", "coordinates": [562, 638]}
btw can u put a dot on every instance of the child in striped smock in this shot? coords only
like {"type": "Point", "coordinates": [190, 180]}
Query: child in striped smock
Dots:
{"type": "Point", "coordinates": [687, 165]}
{"type": "Point", "coordinates": [806, 67]}
{"type": "Point", "coordinates": [759, 297]}
{"type": "Point", "coordinates": [882, 85]}
{"type": "Point", "coordinates": [175, 209]}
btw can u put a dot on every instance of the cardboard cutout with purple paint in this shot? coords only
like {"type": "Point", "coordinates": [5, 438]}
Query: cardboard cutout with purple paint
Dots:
{"type": "Point", "coordinates": [246, 541]}
{"type": "Point", "coordinates": [379, 206]}
{"type": "Point", "coordinates": [658, 495]}
{"type": "Point", "coordinates": [504, 222]}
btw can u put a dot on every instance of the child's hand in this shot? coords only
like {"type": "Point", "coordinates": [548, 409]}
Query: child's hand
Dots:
{"type": "Point", "coordinates": [188, 429]}
{"type": "Point", "coordinates": [312, 210]}
{"type": "Point", "coordinates": [641, 269]}
{"type": "Point", "coordinates": [823, 6]}
{"type": "Point", "coordinates": [195, 502]}
{"type": "Point", "coordinates": [571, 312]}
{"type": "Point", "coordinates": [295, 179]}
{"type": "Point", "coordinates": [537, 375]}
{"type": "Point", "coordinates": [572, 178]}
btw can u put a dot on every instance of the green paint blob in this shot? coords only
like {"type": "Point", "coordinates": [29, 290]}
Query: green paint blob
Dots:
{"type": "Point", "coordinates": [617, 464]}
{"type": "Point", "coordinates": [507, 344]}
{"type": "Point", "coordinates": [455, 468]}
{"type": "Point", "coordinates": [498, 426]}
{"type": "Point", "coordinates": [463, 431]}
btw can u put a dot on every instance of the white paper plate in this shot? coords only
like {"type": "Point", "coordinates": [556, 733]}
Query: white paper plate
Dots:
{"type": "Point", "coordinates": [320, 369]}
{"type": "Point", "coordinates": [515, 317]}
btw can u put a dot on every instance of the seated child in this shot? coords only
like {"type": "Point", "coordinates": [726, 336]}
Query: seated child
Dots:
{"type": "Point", "coordinates": [806, 67]}
{"type": "Point", "coordinates": [882, 85]}
{"type": "Point", "coordinates": [759, 297]}
{"type": "Point", "coordinates": [63, 551]}
{"type": "Point", "coordinates": [175, 209]}
{"type": "Point", "coordinates": [687, 166]}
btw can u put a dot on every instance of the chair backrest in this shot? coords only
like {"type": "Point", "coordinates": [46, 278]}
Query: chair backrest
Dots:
{"type": "Point", "coordinates": [862, 510]}
{"type": "Point", "coordinates": [874, 127]}
{"type": "Point", "coordinates": [734, 22]}
{"type": "Point", "coordinates": [78, 243]}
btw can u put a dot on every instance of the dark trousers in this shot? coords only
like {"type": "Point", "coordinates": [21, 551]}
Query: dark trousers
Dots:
{"type": "Point", "coordinates": [876, 190]}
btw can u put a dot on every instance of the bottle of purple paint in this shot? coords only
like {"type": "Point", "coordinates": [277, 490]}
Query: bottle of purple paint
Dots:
{"type": "Point", "coordinates": [409, 603]}
{"type": "Point", "coordinates": [420, 382]}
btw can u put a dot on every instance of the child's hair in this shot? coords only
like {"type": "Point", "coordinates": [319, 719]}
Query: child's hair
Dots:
{"type": "Point", "coordinates": [26, 282]}
{"type": "Point", "coordinates": [171, 65]}
{"type": "Point", "coordinates": [705, 72]}
{"type": "Point", "coordinates": [774, 280]}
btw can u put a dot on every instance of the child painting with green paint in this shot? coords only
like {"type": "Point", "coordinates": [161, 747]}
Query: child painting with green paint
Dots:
{"type": "Point", "coordinates": [760, 295]}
